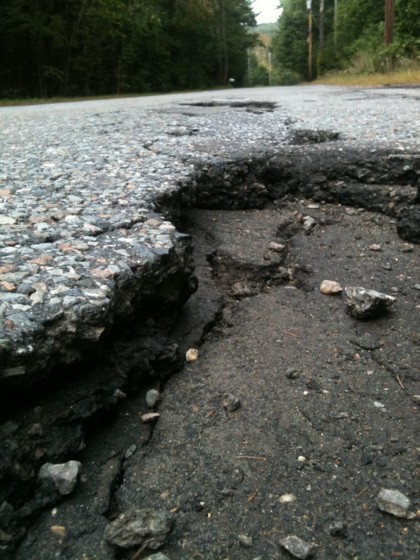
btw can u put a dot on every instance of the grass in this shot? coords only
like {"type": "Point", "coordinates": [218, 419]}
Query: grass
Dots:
{"type": "Point", "coordinates": [397, 78]}
{"type": "Point", "coordinates": [51, 100]}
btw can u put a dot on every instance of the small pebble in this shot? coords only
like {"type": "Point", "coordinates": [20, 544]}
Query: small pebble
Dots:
{"type": "Point", "coordinates": [149, 417]}
{"type": "Point", "coordinates": [152, 398]}
{"type": "Point", "coordinates": [119, 394]}
{"type": "Point", "coordinates": [277, 247]}
{"type": "Point", "coordinates": [330, 287]}
{"type": "Point", "coordinates": [287, 498]}
{"type": "Point", "coordinates": [292, 373]}
{"type": "Point", "coordinates": [191, 355]}
{"type": "Point", "coordinates": [338, 529]}
{"type": "Point", "coordinates": [395, 503]}
{"type": "Point", "coordinates": [245, 541]}
{"type": "Point", "coordinates": [407, 248]}
{"type": "Point", "coordinates": [297, 547]}
{"type": "Point", "coordinates": [230, 402]}
{"type": "Point", "coordinates": [58, 530]}
{"type": "Point", "coordinates": [130, 451]}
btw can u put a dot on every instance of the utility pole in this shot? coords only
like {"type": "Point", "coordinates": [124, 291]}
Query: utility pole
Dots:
{"type": "Point", "coordinates": [335, 23]}
{"type": "Point", "coordinates": [321, 25]}
{"type": "Point", "coordinates": [309, 8]}
{"type": "Point", "coordinates": [389, 21]}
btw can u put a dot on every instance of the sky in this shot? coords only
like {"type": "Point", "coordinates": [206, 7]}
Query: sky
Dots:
{"type": "Point", "coordinates": [268, 8]}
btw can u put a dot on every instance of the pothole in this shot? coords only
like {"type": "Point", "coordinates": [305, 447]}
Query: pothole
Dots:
{"type": "Point", "coordinates": [253, 106]}
{"type": "Point", "coordinates": [272, 213]}
{"type": "Point", "coordinates": [300, 136]}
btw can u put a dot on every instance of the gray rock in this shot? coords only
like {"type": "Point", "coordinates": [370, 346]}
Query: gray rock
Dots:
{"type": "Point", "coordinates": [308, 224]}
{"type": "Point", "coordinates": [140, 527]}
{"type": "Point", "coordinates": [395, 503]}
{"type": "Point", "coordinates": [292, 373]}
{"type": "Point", "coordinates": [338, 529]}
{"type": "Point", "coordinates": [63, 476]}
{"type": "Point", "coordinates": [245, 541]}
{"type": "Point", "coordinates": [367, 304]}
{"type": "Point", "coordinates": [152, 398]}
{"type": "Point", "coordinates": [158, 556]}
{"type": "Point", "coordinates": [230, 402]}
{"type": "Point", "coordinates": [297, 547]}
{"type": "Point", "coordinates": [130, 451]}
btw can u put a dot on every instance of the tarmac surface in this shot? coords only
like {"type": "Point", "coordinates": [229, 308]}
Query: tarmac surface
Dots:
{"type": "Point", "coordinates": [295, 414]}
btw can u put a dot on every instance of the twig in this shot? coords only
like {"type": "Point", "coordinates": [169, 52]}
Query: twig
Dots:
{"type": "Point", "coordinates": [253, 496]}
{"type": "Point", "coordinates": [361, 493]}
{"type": "Point", "coordinates": [400, 382]}
{"type": "Point", "coordinates": [140, 550]}
{"type": "Point", "coordinates": [291, 334]}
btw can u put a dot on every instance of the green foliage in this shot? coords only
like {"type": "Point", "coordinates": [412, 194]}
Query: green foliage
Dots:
{"type": "Point", "coordinates": [290, 44]}
{"type": "Point", "coordinates": [266, 29]}
{"type": "Point", "coordinates": [353, 38]}
{"type": "Point", "coordinates": [88, 47]}
{"type": "Point", "coordinates": [258, 74]}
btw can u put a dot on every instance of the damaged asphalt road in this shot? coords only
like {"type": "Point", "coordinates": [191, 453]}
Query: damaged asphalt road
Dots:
{"type": "Point", "coordinates": [294, 431]}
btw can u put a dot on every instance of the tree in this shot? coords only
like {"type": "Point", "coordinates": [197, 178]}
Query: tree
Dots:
{"type": "Point", "coordinates": [290, 43]}
{"type": "Point", "coordinates": [86, 47]}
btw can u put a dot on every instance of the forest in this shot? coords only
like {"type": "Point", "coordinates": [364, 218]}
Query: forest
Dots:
{"type": "Point", "coordinates": [91, 47]}
{"type": "Point", "coordinates": [77, 48]}
{"type": "Point", "coordinates": [346, 35]}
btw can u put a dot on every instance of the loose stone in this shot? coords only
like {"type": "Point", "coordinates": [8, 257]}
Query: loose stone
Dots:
{"type": "Point", "coordinates": [58, 530]}
{"type": "Point", "coordinates": [191, 355]}
{"type": "Point", "coordinates": [292, 373]}
{"type": "Point", "coordinates": [64, 476]}
{"type": "Point", "coordinates": [395, 503]}
{"type": "Point", "coordinates": [230, 402]}
{"type": "Point", "coordinates": [130, 451]}
{"type": "Point", "coordinates": [245, 541]}
{"type": "Point", "coordinates": [330, 287]}
{"type": "Point", "coordinates": [139, 526]}
{"type": "Point", "coordinates": [287, 498]}
{"type": "Point", "coordinates": [152, 398]}
{"type": "Point", "coordinates": [297, 547]}
{"type": "Point", "coordinates": [277, 247]}
{"type": "Point", "coordinates": [158, 556]}
{"type": "Point", "coordinates": [149, 417]}
{"type": "Point", "coordinates": [338, 529]}
{"type": "Point", "coordinates": [308, 224]}
{"type": "Point", "coordinates": [367, 304]}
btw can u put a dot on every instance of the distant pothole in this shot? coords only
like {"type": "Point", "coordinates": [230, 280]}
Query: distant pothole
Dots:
{"type": "Point", "coordinates": [236, 104]}
{"type": "Point", "coordinates": [300, 136]}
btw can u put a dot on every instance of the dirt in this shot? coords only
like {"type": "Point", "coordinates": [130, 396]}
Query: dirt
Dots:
{"type": "Point", "coordinates": [325, 411]}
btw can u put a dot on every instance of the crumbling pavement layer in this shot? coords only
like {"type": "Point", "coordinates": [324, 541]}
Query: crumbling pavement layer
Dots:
{"type": "Point", "coordinates": [93, 201]}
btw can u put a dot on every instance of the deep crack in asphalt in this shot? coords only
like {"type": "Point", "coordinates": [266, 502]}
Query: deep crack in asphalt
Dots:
{"type": "Point", "coordinates": [328, 404]}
